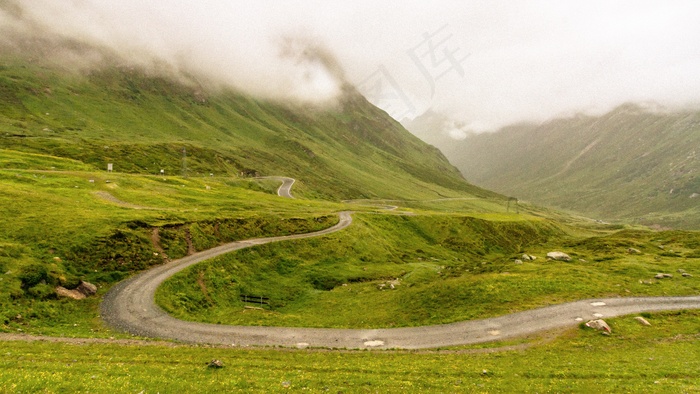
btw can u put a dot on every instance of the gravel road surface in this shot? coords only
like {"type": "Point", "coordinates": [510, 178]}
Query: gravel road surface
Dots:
{"type": "Point", "coordinates": [285, 190]}
{"type": "Point", "coordinates": [130, 306]}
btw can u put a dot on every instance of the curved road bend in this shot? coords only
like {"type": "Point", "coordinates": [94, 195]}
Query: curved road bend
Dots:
{"type": "Point", "coordinates": [285, 190]}
{"type": "Point", "coordinates": [139, 315]}
{"type": "Point", "coordinates": [130, 306]}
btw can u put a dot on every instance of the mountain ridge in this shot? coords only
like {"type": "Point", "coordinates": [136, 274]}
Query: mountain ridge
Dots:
{"type": "Point", "coordinates": [632, 164]}
{"type": "Point", "coordinates": [142, 122]}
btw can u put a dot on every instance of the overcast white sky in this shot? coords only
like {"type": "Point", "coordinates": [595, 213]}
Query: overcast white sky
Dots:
{"type": "Point", "coordinates": [484, 63]}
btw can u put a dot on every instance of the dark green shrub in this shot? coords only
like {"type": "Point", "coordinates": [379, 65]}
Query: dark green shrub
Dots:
{"type": "Point", "coordinates": [203, 236]}
{"type": "Point", "coordinates": [33, 274]}
{"type": "Point", "coordinates": [124, 250]}
{"type": "Point", "coordinates": [173, 241]}
{"type": "Point", "coordinates": [70, 281]}
{"type": "Point", "coordinates": [325, 281]}
{"type": "Point", "coordinates": [42, 291]}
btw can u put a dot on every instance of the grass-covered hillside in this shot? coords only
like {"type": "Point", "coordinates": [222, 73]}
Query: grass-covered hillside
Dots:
{"type": "Point", "coordinates": [142, 122]}
{"type": "Point", "coordinates": [66, 219]}
{"type": "Point", "coordinates": [425, 247]}
{"type": "Point", "coordinates": [635, 164]}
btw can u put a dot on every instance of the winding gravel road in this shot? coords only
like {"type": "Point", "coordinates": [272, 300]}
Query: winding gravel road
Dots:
{"type": "Point", "coordinates": [285, 190]}
{"type": "Point", "coordinates": [129, 306]}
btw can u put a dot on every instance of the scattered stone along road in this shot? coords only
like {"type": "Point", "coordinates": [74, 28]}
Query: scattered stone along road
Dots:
{"type": "Point", "coordinates": [130, 306]}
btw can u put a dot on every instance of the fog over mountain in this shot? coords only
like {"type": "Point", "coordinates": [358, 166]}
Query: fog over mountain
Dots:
{"type": "Point", "coordinates": [483, 64]}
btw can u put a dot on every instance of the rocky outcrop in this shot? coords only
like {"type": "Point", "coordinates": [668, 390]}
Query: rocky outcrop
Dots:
{"type": "Point", "coordinates": [65, 293]}
{"type": "Point", "coordinates": [84, 289]}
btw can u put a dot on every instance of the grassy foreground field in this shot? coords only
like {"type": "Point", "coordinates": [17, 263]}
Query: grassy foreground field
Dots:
{"type": "Point", "coordinates": [663, 358]}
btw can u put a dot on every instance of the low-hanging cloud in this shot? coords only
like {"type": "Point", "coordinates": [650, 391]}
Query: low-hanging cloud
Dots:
{"type": "Point", "coordinates": [483, 63]}
{"type": "Point", "coordinates": [211, 42]}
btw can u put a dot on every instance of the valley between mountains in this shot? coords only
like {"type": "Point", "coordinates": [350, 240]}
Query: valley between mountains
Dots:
{"type": "Point", "coordinates": [374, 240]}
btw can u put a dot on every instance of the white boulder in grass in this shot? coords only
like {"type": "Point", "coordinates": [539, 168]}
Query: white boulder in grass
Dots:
{"type": "Point", "coordinates": [599, 325]}
{"type": "Point", "coordinates": [558, 256]}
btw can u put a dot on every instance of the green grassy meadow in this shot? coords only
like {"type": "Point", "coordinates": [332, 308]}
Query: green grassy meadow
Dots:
{"type": "Point", "coordinates": [455, 259]}
{"type": "Point", "coordinates": [662, 358]}
{"type": "Point", "coordinates": [444, 268]}
{"type": "Point", "coordinates": [63, 229]}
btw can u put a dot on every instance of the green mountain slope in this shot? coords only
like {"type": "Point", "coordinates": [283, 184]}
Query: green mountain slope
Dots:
{"type": "Point", "coordinates": [450, 252]}
{"type": "Point", "coordinates": [142, 123]}
{"type": "Point", "coordinates": [66, 218]}
{"type": "Point", "coordinates": [631, 164]}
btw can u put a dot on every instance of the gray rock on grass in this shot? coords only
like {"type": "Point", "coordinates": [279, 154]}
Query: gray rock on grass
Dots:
{"type": "Point", "coordinates": [215, 364]}
{"type": "Point", "coordinates": [66, 293]}
{"type": "Point", "coordinates": [84, 290]}
{"type": "Point", "coordinates": [87, 288]}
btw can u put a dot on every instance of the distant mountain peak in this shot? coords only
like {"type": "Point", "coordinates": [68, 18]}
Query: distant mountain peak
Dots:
{"type": "Point", "coordinates": [619, 165]}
